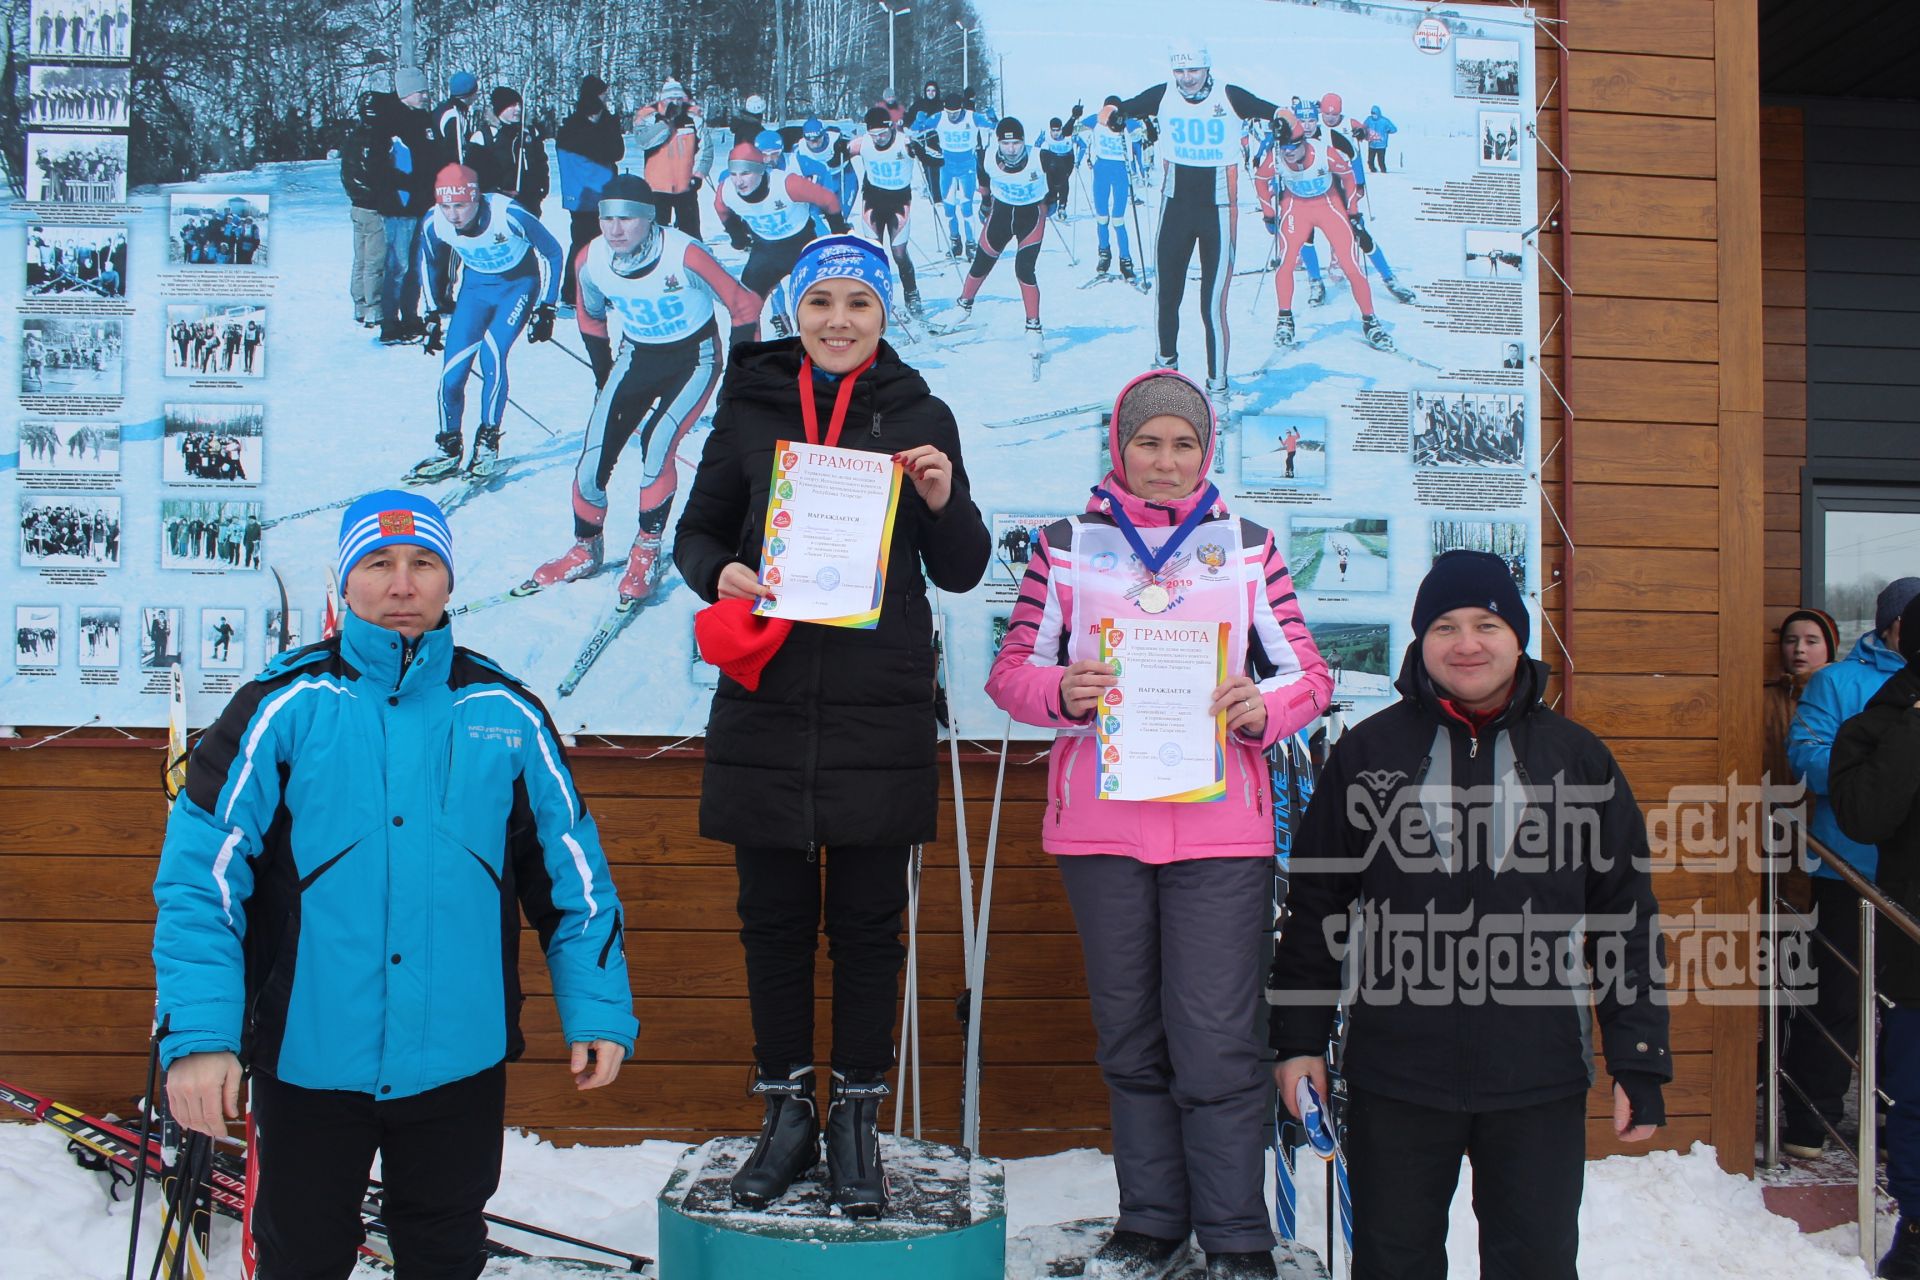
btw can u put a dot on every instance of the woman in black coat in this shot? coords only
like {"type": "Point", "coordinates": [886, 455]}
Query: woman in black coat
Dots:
{"type": "Point", "coordinates": [832, 755]}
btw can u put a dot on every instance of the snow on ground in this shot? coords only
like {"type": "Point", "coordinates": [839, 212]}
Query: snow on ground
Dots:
{"type": "Point", "coordinates": [1662, 1214]}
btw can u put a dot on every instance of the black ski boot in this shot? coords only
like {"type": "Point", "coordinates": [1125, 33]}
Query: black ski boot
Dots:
{"type": "Point", "coordinates": [1126, 268]}
{"type": "Point", "coordinates": [1104, 264]}
{"type": "Point", "coordinates": [1283, 330]}
{"type": "Point", "coordinates": [789, 1139]}
{"type": "Point", "coordinates": [1135, 1255]}
{"type": "Point", "coordinates": [1902, 1262]}
{"type": "Point", "coordinates": [485, 464]}
{"type": "Point", "coordinates": [1377, 335]}
{"type": "Point", "coordinates": [954, 248]}
{"type": "Point", "coordinates": [442, 464]}
{"type": "Point", "coordinates": [857, 1185]}
{"type": "Point", "coordinates": [1241, 1266]}
{"type": "Point", "coordinates": [1316, 293]}
{"type": "Point", "coordinates": [913, 304]}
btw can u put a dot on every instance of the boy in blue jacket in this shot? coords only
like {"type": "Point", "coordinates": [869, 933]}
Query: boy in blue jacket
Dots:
{"type": "Point", "coordinates": [339, 897]}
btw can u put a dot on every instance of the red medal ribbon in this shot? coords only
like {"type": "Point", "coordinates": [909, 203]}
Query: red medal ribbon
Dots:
{"type": "Point", "coordinates": [811, 415]}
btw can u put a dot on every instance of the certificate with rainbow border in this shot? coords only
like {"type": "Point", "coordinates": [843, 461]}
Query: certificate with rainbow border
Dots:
{"type": "Point", "coordinates": [1157, 739]}
{"type": "Point", "coordinates": [830, 516]}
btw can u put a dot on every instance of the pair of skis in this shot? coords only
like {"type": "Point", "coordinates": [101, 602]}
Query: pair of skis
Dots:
{"type": "Point", "coordinates": [106, 1146]}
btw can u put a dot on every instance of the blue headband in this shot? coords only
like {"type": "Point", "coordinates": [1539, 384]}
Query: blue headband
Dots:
{"type": "Point", "coordinates": [842, 258]}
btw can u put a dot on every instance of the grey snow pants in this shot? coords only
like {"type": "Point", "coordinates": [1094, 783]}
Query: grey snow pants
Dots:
{"type": "Point", "coordinates": [1176, 957]}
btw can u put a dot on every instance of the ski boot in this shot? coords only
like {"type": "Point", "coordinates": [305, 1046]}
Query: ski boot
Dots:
{"type": "Point", "coordinates": [1134, 1255]}
{"type": "Point", "coordinates": [1104, 264]}
{"type": "Point", "coordinates": [914, 309]}
{"type": "Point", "coordinates": [1902, 1262]}
{"type": "Point", "coordinates": [1398, 290]}
{"type": "Point", "coordinates": [857, 1185]}
{"type": "Point", "coordinates": [486, 464]}
{"type": "Point", "coordinates": [442, 464]}
{"type": "Point", "coordinates": [955, 249]}
{"type": "Point", "coordinates": [1217, 391]}
{"type": "Point", "coordinates": [1377, 336]}
{"type": "Point", "coordinates": [1316, 293]}
{"type": "Point", "coordinates": [782, 328]}
{"type": "Point", "coordinates": [789, 1142]}
{"type": "Point", "coordinates": [1241, 1266]}
{"type": "Point", "coordinates": [1037, 346]}
{"type": "Point", "coordinates": [1126, 269]}
{"type": "Point", "coordinates": [643, 570]}
{"type": "Point", "coordinates": [1165, 362]}
{"type": "Point", "coordinates": [582, 561]}
{"type": "Point", "coordinates": [1283, 330]}
{"type": "Point", "coordinates": [966, 308]}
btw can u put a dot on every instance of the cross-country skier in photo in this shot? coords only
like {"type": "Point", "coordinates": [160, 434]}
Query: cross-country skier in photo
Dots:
{"type": "Point", "coordinates": [510, 280]}
{"type": "Point", "coordinates": [822, 156]}
{"type": "Point", "coordinates": [962, 134]}
{"type": "Point", "coordinates": [1017, 181]}
{"type": "Point", "coordinates": [1317, 191]}
{"type": "Point", "coordinates": [1199, 123]}
{"type": "Point", "coordinates": [1113, 150]}
{"type": "Point", "coordinates": [1326, 129]}
{"type": "Point", "coordinates": [926, 115]}
{"type": "Point", "coordinates": [672, 134]}
{"type": "Point", "coordinates": [1059, 153]}
{"type": "Point", "coordinates": [778, 208]}
{"type": "Point", "coordinates": [885, 156]}
{"type": "Point", "coordinates": [667, 291]}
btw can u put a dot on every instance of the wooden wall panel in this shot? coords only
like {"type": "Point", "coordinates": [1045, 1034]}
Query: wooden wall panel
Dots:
{"type": "Point", "coordinates": [1651, 457]}
{"type": "Point", "coordinates": [1783, 238]}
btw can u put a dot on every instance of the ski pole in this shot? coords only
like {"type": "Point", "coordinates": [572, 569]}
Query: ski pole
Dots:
{"type": "Point", "coordinates": [536, 422]}
{"type": "Point", "coordinates": [146, 1131]}
{"type": "Point", "coordinates": [578, 358]}
{"type": "Point", "coordinates": [977, 979]}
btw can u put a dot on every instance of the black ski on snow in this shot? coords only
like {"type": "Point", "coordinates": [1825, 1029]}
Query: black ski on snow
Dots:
{"type": "Point", "coordinates": [102, 1142]}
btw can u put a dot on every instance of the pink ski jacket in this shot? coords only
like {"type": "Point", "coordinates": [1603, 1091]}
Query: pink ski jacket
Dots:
{"type": "Point", "coordinates": [1075, 578]}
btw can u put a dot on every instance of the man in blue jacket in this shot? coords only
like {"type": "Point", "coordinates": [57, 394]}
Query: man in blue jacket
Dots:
{"type": "Point", "coordinates": [1379, 129]}
{"type": "Point", "coordinates": [340, 895]}
{"type": "Point", "coordinates": [1835, 694]}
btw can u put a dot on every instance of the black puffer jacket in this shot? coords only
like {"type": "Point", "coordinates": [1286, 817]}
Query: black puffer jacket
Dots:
{"type": "Point", "coordinates": [1873, 780]}
{"type": "Point", "coordinates": [1535, 860]}
{"type": "Point", "coordinates": [837, 745]}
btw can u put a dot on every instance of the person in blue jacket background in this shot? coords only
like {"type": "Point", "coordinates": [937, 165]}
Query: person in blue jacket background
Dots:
{"type": "Point", "coordinates": [340, 895]}
{"type": "Point", "coordinates": [1835, 694]}
{"type": "Point", "coordinates": [1379, 129]}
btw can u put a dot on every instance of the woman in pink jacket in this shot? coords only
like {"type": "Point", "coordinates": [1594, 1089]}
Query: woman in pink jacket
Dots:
{"type": "Point", "coordinates": [1173, 901]}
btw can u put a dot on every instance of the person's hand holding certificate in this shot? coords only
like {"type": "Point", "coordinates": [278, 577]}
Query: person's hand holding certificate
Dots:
{"type": "Point", "coordinates": [829, 527]}
{"type": "Point", "coordinates": [1159, 738]}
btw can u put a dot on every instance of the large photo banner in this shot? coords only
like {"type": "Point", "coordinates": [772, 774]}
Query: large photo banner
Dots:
{"type": "Point", "coordinates": [223, 336]}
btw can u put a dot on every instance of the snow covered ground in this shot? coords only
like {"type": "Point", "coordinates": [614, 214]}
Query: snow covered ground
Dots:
{"type": "Point", "coordinates": [1663, 1214]}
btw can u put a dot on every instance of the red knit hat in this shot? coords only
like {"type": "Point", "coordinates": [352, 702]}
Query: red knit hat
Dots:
{"type": "Point", "coordinates": [738, 641]}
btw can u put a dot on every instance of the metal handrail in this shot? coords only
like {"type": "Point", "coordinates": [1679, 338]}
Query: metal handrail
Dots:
{"type": "Point", "coordinates": [1873, 904]}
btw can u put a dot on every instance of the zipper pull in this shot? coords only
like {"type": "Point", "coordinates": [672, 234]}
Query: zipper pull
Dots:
{"type": "Point", "coordinates": [877, 415]}
{"type": "Point", "coordinates": [813, 852]}
{"type": "Point", "coordinates": [1056, 813]}
{"type": "Point", "coordinates": [1473, 748]}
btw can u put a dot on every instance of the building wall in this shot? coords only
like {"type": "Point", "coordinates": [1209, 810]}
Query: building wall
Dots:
{"type": "Point", "coordinates": [1664, 630]}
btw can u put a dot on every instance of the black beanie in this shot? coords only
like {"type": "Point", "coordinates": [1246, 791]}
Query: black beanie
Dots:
{"type": "Point", "coordinates": [1470, 580]}
{"type": "Point", "coordinates": [502, 98]}
{"type": "Point", "coordinates": [1910, 633]}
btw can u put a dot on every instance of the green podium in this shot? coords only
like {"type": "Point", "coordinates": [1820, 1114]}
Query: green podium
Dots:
{"type": "Point", "coordinates": [946, 1220]}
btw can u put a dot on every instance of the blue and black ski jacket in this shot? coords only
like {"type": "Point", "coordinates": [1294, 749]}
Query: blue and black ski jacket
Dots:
{"type": "Point", "coordinates": [341, 887]}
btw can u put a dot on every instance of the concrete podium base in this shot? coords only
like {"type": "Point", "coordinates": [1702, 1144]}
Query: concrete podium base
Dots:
{"type": "Point", "coordinates": [1061, 1251]}
{"type": "Point", "coordinates": [946, 1220]}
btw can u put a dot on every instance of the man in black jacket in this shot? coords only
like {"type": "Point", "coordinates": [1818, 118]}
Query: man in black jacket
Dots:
{"type": "Point", "coordinates": [589, 140]}
{"type": "Point", "coordinates": [1494, 863]}
{"type": "Point", "coordinates": [1874, 784]}
{"type": "Point", "coordinates": [514, 161]}
{"type": "Point", "coordinates": [360, 158]}
{"type": "Point", "coordinates": [404, 193]}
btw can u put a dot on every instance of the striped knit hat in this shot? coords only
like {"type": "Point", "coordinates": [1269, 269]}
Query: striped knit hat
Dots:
{"type": "Point", "coordinates": [388, 518]}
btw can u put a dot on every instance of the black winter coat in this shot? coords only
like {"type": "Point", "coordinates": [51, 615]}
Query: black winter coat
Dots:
{"type": "Point", "coordinates": [598, 140]}
{"type": "Point", "coordinates": [838, 744]}
{"type": "Point", "coordinates": [409, 132]}
{"type": "Point", "coordinates": [362, 156]}
{"type": "Point", "coordinates": [1873, 780]}
{"type": "Point", "coordinates": [515, 161]}
{"type": "Point", "coordinates": [1421, 1030]}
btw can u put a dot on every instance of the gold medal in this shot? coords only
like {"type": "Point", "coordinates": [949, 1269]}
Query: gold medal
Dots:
{"type": "Point", "coordinates": [1154, 598]}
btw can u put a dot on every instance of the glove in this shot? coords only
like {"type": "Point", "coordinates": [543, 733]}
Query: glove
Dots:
{"type": "Point", "coordinates": [698, 182]}
{"type": "Point", "coordinates": [540, 328]}
{"type": "Point", "coordinates": [436, 333]}
{"type": "Point", "coordinates": [836, 224]}
{"type": "Point", "coordinates": [1360, 233]}
{"type": "Point", "coordinates": [1644, 1096]}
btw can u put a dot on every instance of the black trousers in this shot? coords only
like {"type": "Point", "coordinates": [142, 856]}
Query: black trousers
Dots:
{"type": "Point", "coordinates": [1529, 1165]}
{"type": "Point", "coordinates": [1376, 160]}
{"type": "Point", "coordinates": [439, 1160]}
{"type": "Point", "coordinates": [679, 209]}
{"type": "Point", "coordinates": [780, 911]}
{"type": "Point", "coordinates": [584, 225]}
{"type": "Point", "coordinates": [1815, 1065]}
